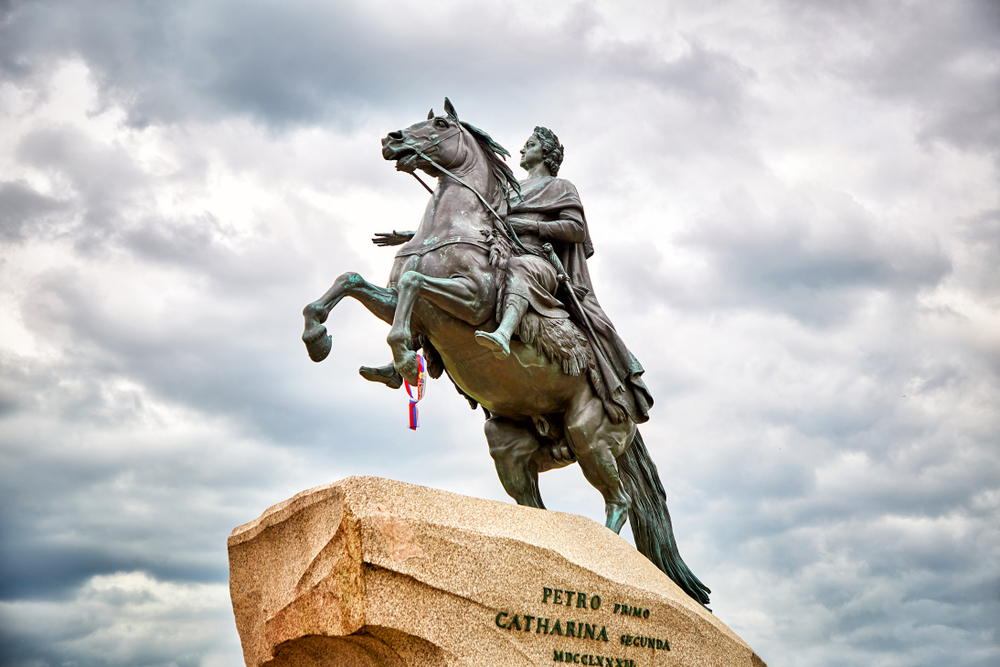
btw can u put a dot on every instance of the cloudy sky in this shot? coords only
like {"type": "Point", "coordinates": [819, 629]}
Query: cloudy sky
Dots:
{"type": "Point", "coordinates": [796, 210]}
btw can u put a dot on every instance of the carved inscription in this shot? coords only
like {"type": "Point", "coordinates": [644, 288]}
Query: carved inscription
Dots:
{"type": "Point", "coordinates": [580, 629]}
{"type": "Point", "coordinates": [560, 596]}
{"type": "Point", "coordinates": [546, 626]}
{"type": "Point", "coordinates": [587, 659]}
{"type": "Point", "coordinates": [626, 610]}
{"type": "Point", "coordinates": [646, 642]}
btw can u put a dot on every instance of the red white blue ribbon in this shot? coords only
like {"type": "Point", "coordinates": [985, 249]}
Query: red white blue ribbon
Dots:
{"type": "Point", "coordinates": [418, 390]}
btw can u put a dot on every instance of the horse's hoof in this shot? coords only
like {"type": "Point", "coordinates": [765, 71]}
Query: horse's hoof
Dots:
{"type": "Point", "coordinates": [387, 375]}
{"type": "Point", "coordinates": [318, 344]}
{"type": "Point", "coordinates": [616, 517]}
{"type": "Point", "coordinates": [499, 346]}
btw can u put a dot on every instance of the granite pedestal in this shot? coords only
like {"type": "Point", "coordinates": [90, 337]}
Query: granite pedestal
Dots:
{"type": "Point", "coordinates": [371, 572]}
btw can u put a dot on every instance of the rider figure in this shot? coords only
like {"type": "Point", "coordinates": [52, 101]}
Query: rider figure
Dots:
{"type": "Point", "coordinates": [537, 217]}
{"type": "Point", "coordinates": [549, 210]}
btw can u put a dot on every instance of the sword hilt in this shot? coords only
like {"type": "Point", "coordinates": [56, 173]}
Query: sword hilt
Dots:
{"type": "Point", "coordinates": [554, 258]}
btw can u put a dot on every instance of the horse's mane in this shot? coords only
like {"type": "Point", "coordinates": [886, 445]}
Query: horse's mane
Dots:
{"type": "Point", "coordinates": [502, 239]}
{"type": "Point", "coordinates": [493, 153]}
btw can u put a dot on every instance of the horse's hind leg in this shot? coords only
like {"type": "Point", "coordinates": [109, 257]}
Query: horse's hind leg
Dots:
{"type": "Point", "coordinates": [513, 447]}
{"type": "Point", "coordinates": [380, 301]}
{"type": "Point", "coordinates": [596, 441]}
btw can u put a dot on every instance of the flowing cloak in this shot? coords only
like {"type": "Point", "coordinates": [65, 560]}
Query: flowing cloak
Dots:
{"type": "Point", "coordinates": [565, 227]}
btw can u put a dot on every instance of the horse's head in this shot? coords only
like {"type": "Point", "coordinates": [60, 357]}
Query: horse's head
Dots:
{"type": "Point", "coordinates": [443, 139]}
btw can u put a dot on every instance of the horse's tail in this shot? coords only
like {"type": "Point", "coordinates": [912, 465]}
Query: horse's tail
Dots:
{"type": "Point", "coordinates": [654, 535]}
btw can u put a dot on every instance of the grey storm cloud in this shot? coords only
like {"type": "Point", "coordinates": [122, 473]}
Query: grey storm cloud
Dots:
{"type": "Point", "coordinates": [814, 259]}
{"type": "Point", "coordinates": [22, 210]}
{"type": "Point", "coordinates": [817, 258]}
{"type": "Point", "coordinates": [939, 58]}
{"type": "Point", "coordinates": [301, 62]}
{"type": "Point", "coordinates": [943, 63]}
{"type": "Point", "coordinates": [101, 179]}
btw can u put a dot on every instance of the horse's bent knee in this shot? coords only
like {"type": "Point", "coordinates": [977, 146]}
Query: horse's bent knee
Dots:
{"type": "Point", "coordinates": [349, 280]}
{"type": "Point", "coordinates": [410, 280]}
{"type": "Point", "coordinates": [351, 276]}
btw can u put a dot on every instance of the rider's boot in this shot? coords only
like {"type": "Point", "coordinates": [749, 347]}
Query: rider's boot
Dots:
{"type": "Point", "coordinates": [499, 340]}
{"type": "Point", "coordinates": [387, 375]}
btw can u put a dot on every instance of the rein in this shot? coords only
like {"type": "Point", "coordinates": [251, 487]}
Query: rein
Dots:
{"type": "Point", "coordinates": [474, 191]}
{"type": "Point", "coordinates": [507, 230]}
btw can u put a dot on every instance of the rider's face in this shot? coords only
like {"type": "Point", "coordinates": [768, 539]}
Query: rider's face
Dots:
{"type": "Point", "coordinates": [531, 154]}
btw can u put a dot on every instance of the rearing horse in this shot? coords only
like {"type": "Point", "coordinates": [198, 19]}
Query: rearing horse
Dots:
{"type": "Point", "coordinates": [542, 412]}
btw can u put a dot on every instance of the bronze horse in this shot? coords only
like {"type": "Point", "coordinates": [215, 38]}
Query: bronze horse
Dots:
{"type": "Point", "coordinates": [542, 411]}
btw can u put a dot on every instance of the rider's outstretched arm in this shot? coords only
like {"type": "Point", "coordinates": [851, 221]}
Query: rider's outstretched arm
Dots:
{"type": "Point", "coordinates": [384, 239]}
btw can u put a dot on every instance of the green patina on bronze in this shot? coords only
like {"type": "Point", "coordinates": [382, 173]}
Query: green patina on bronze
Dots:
{"type": "Point", "coordinates": [493, 287]}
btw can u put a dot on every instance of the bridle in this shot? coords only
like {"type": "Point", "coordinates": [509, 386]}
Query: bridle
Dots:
{"type": "Point", "coordinates": [507, 230]}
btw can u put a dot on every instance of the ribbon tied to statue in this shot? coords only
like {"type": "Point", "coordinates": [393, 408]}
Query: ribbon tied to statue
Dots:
{"type": "Point", "coordinates": [417, 392]}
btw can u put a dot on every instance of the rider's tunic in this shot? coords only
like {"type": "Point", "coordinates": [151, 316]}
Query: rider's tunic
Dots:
{"type": "Point", "coordinates": [552, 209]}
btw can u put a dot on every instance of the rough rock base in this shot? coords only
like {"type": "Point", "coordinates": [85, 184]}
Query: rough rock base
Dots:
{"type": "Point", "coordinates": [371, 572]}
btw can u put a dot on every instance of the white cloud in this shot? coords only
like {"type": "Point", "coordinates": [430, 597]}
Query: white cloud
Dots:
{"type": "Point", "coordinates": [127, 618]}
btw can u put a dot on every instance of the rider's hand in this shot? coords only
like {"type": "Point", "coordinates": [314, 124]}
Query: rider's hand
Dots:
{"type": "Point", "coordinates": [522, 226]}
{"type": "Point", "coordinates": [394, 238]}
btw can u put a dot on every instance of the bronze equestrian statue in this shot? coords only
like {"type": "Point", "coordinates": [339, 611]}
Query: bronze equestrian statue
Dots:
{"type": "Point", "coordinates": [493, 286]}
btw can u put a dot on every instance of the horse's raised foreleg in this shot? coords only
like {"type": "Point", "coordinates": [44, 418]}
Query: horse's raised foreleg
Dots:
{"type": "Point", "coordinates": [513, 447]}
{"type": "Point", "coordinates": [460, 297]}
{"type": "Point", "coordinates": [596, 441]}
{"type": "Point", "coordinates": [380, 301]}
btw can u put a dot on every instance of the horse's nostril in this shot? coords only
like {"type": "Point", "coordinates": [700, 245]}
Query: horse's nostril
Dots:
{"type": "Point", "coordinates": [397, 135]}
